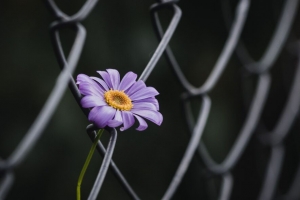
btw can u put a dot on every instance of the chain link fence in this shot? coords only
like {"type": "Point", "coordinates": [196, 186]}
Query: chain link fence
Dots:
{"type": "Point", "coordinates": [225, 178]}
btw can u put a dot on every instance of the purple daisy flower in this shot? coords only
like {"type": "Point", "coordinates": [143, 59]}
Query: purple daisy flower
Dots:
{"type": "Point", "coordinates": [114, 102]}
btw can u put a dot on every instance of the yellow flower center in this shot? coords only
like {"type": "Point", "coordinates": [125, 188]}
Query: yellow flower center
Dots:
{"type": "Point", "coordinates": [118, 100]}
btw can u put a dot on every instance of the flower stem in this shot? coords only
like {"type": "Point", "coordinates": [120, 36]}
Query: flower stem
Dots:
{"type": "Point", "coordinates": [87, 162]}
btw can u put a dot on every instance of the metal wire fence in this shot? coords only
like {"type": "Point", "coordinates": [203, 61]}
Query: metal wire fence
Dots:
{"type": "Point", "coordinates": [258, 70]}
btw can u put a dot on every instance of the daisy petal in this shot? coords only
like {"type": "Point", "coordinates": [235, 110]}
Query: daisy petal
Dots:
{"type": "Point", "coordinates": [101, 115]}
{"type": "Point", "coordinates": [143, 124]}
{"type": "Point", "coordinates": [144, 93]}
{"type": "Point", "coordinates": [151, 115]}
{"type": "Point", "coordinates": [149, 100]}
{"type": "Point", "coordinates": [144, 106]}
{"type": "Point", "coordinates": [114, 78]}
{"type": "Point", "coordinates": [86, 88]}
{"type": "Point", "coordinates": [81, 78]}
{"type": "Point", "coordinates": [117, 121]}
{"type": "Point", "coordinates": [101, 82]}
{"type": "Point", "coordinates": [128, 120]}
{"type": "Point", "coordinates": [106, 78]}
{"type": "Point", "coordinates": [127, 81]}
{"type": "Point", "coordinates": [135, 87]}
{"type": "Point", "coordinates": [92, 101]}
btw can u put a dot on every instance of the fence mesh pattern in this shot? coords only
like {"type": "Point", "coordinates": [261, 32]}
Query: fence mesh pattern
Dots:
{"type": "Point", "coordinates": [256, 82]}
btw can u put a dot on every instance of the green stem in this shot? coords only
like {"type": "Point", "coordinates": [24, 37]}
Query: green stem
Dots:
{"type": "Point", "coordinates": [87, 162]}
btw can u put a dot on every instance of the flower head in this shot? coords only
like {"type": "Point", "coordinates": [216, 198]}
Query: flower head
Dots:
{"type": "Point", "coordinates": [114, 102]}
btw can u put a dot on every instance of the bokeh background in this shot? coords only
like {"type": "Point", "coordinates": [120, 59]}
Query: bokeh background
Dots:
{"type": "Point", "coordinates": [120, 36]}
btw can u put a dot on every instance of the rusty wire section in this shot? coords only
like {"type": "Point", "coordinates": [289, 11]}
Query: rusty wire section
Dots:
{"type": "Point", "coordinates": [260, 69]}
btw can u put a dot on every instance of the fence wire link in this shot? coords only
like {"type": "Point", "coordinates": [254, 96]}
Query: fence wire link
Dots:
{"type": "Point", "coordinates": [260, 69]}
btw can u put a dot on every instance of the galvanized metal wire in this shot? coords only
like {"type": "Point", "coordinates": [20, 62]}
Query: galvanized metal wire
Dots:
{"type": "Point", "coordinates": [273, 139]}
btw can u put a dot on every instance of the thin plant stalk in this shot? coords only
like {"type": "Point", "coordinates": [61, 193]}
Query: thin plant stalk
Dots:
{"type": "Point", "coordinates": [87, 162]}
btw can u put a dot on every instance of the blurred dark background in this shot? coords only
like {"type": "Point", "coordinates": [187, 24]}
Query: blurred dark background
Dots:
{"type": "Point", "coordinates": [120, 36]}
